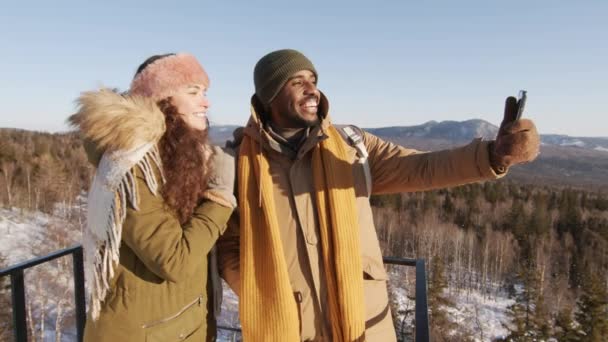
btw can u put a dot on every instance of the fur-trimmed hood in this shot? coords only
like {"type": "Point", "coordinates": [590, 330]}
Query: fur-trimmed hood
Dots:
{"type": "Point", "coordinates": [121, 134]}
{"type": "Point", "coordinates": [109, 121]}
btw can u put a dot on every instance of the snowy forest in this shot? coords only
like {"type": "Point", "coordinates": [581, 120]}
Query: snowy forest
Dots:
{"type": "Point", "coordinates": [542, 250]}
{"type": "Point", "coordinates": [545, 248]}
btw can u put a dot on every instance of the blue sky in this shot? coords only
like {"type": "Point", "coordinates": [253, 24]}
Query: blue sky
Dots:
{"type": "Point", "coordinates": [380, 63]}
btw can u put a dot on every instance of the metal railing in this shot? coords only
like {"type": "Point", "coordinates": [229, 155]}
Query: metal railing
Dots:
{"type": "Point", "coordinates": [421, 316]}
{"type": "Point", "coordinates": [18, 292]}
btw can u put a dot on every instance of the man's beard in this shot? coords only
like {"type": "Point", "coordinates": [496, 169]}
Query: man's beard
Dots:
{"type": "Point", "coordinates": [296, 121]}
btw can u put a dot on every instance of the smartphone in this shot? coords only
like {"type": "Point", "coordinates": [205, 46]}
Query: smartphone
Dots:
{"type": "Point", "coordinates": [521, 103]}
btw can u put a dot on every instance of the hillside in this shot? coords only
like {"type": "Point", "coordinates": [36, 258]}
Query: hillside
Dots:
{"type": "Point", "coordinates": [564, 160]}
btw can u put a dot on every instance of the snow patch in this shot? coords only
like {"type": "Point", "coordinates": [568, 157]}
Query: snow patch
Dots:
{"type": "Point", "coordinates": [484, 316]}
{"type": "Point", "coordinates": [229, 317]}
{"type": "Point", "coordinates": [601, 148]}
{"type": "Point", "coordinates": [49, 286]}
{"type": "Point", "coordinates": [21, 231]}
{"type": "Point", "coordinates": [574, 142]}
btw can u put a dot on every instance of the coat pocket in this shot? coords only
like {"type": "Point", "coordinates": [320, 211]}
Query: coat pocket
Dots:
{"type": "Point", "coordinates": [374, 287]}
{"type": "Point", "coordinates": [373, 269]}
{"type": "Point", "coordinates": [178, 326]}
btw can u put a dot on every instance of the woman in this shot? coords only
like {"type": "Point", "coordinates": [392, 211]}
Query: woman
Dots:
{"type": "Point", "coordinates": [160, 198]}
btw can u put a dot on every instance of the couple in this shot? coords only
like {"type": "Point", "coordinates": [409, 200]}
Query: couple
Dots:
{"type": "Point", "coordinates": [301, 250]}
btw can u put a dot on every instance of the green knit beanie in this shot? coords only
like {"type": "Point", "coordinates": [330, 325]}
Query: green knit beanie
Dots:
{"type": "Point", "coordinates": [273, 70]}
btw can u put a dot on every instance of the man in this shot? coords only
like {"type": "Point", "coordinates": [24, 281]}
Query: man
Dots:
{"type": "Point", "coordinates": [302, 252]}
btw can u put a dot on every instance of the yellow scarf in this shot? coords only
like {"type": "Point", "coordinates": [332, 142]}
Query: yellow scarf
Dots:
{"type": "Point", "coordinates": [268, 309]}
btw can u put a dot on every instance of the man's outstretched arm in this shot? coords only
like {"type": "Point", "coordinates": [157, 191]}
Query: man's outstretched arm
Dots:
{"type": "Point", "coordinates": [398, 169]}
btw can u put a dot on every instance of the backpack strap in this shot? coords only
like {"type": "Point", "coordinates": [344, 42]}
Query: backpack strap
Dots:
{"type": "Point", "coordinates": [353, 135]}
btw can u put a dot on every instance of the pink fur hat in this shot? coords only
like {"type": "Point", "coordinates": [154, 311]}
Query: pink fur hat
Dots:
{"type": "Point", "coordinates": [164, 76]}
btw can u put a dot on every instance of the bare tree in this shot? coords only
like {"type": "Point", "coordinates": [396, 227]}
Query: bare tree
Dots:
{"type": "Point", "coordinates": [27, 168]}
{"type": "Point", "coordinates": [8, 170]}
{"type": "Point", "coordinates": [30, 320]}
{"type": "Point", "coordinates": [470, 248]}
{"type": "Point", "coordinates": [43, 305]}
{"type": "Point", "coordinates": [478, 323]}
{"type": "Point", "coordinates": [60, 314]}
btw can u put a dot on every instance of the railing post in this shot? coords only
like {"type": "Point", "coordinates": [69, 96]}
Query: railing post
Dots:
{"type": "Point", "coordinates": [422, 312]}
{"type": "Point", "coordinates": [19, 317]}
{"type": "Point", "coordinates": [79, 293]}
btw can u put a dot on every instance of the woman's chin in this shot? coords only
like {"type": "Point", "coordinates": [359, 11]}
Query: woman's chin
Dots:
{"type": "Point", "coordinates": [198, 128]}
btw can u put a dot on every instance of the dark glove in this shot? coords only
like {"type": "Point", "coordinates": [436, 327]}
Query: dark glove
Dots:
{"type": "Point", "coordinates": [220, 188]}
{"type": "Point", "coordinates": [517, 140]}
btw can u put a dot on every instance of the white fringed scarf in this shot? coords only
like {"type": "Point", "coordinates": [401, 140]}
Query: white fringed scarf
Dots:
{"type": "Point", "coordinates": [113, 189]}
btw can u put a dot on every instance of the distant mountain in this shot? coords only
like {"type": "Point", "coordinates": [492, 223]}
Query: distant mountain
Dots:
{"type": "Point", "coordinates": [598, 144]}
{"type": "Point", "coordinates": [564, 160]}
{"type": "Point", "coordinates": [221, 133]}
{"type": "Point", "coordinates": [449, 130]}
{"type": "Point", "coordinates": [459, 131]}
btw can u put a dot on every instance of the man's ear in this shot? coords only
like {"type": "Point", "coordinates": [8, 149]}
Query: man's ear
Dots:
{"type": "Point", "coordinates": [263, 110]}
{"type": "Point", "coordinates": [265, 116]}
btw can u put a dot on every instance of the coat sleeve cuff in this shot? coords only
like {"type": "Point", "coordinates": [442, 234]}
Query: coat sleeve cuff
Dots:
{"type": "Point", "coordinates": [219, 198]}
{"type": "Point", "coordinates": [483, 161]}
{"type": "Point", "coordinates": [213, 213]}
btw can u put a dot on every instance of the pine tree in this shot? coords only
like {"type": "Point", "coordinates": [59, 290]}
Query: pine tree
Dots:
{"type": "Point", "coordinates": [584, 200]}
{"type": "Point", "coordinates": [448, 207]}
{"type": "Point", "coordinates": [541, 319]}
{"type": "Point", "coordinates": [501, 191]}
{"type": "Point", "coordinates": [430, 201]}
{"type": "Point", "coordinates": [515, 221]}
{"type": "Point", "coordinates": [552, 203]}
{"type": "Point", "coordinates": [490, 192]}
{"type": "Point", "coordinates": [565, 331]}
{"type": "Point", "coordinates": [438, 301]}
{"type": "Point", "coordinates": [539, 219]}
{"type": "Point", "coordinates": [601, 202]}
{"type": "Point", "coordinates": [528, 318]}
{"type": "Point", "coordinates": [592, 307]}
{"type": "Point", "coordinates": [569, 215]}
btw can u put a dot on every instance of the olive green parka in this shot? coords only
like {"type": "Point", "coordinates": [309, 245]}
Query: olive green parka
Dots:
{"type": "Point", "coordinates": [157, 288]}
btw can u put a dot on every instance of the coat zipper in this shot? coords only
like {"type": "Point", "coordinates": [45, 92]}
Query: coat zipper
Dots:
{"type": "Point", "coordinates": [298, 298]}
{"type": "Point", "coordinates": [160, 321]}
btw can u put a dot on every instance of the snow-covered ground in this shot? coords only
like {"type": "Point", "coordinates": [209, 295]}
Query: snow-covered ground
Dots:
{"type": "Point", "coordinates": [229, 317]}
{"type": "Point", "coordinates": [25, 235]}
{"type": "Point", "coordinates": [482, 315]}
{"type": "Point", "coordinates": [20, 231]}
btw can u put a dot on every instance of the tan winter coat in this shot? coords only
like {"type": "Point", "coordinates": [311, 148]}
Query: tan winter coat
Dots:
{"type": "Point", "coordinates": [393, 169]}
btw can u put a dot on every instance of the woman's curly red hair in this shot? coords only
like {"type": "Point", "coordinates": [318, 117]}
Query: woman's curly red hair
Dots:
{"type": "Point", "coordinates": [185, 166]}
